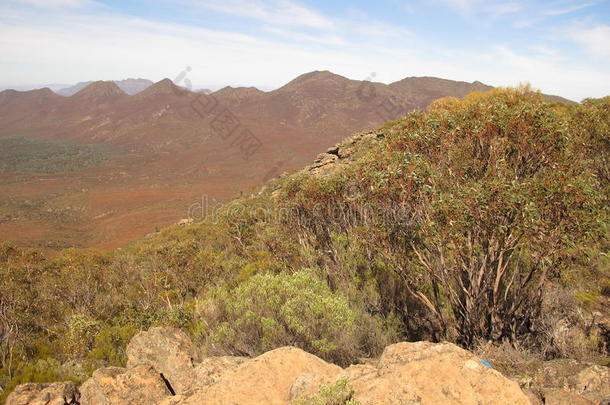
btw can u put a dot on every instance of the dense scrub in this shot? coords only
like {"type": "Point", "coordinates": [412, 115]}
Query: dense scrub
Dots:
{"type": "Point", "coordinates": [479, 220]}
{"type": "Point", "coordinates": [35, 156]}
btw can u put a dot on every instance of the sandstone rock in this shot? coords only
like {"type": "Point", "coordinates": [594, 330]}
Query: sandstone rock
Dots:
{"type": "Point", "coordinates": [587, 380]}
{"type": "Point", "coordinates": [339, 155]}
{"type": "Point", "coordinates": [211, 370]}
{"type": "Point", "coordinates": [306, 385]}
{"type": "Point", "coordinates": [141, 385]}
{"type": "Point", "coordinates": [264, 380]}
{"type": "Point", "coordinates": [407, 373]}
{"type": "Point", "coordinates": [59, 393]}
{"type": "Point", "coordinates": [534, 397]}
{"type": "Point", "coordinates": [175, 400]}
{"type": "Point", "coordinates": [169, 351]}
{"type": "Point", "coordinates": [556, 396]}
{"type": "Point", "coordinates": [426, 373]}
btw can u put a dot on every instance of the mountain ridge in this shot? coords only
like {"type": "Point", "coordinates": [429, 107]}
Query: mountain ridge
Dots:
{"type": "Point", "coordinates": [166, 146]}
{"type": "Point", "coordinates": [130, 86]}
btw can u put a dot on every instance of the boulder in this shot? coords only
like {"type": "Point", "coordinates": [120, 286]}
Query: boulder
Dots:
{"type": "Point", "coordinates": [427, 373]}
{"type": "Point", "coordinates": [169, 351]}
{"type": "Point", "coordinates": [211, 370]}
{"type": "Point", "coordinates": [161, 371]}
{"type": "Point", "coordinates": [306, 385]}
{"type": "Point", "coordinates": [141, 385]}
{"type": "Point", "coordinates": [265, 380]}
{"type": "Point", "coordinates": [60, 393]}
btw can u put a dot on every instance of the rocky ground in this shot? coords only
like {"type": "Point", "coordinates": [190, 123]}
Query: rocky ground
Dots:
{"type": "Point", "coordinates": [164, 369]}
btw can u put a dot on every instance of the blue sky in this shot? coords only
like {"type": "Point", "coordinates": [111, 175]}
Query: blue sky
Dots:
{"type": "Point", "coordinates": [559, 46]}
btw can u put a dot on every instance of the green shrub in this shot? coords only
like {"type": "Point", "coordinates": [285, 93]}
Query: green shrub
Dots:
{"type": "Point", "coordinates": [41, 371]}
{"type": "Point", "coordinates": [339, 393]}
{"type": "Point", "coordinates": [79, 337]}
{"type": "Point", "coordinates": [268, 311]}
{"type": "Point", "coordinates": [109, 348]}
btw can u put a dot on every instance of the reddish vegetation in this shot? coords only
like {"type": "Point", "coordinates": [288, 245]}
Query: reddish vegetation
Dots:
{"type": "Point", "coordinates": [165, 154]}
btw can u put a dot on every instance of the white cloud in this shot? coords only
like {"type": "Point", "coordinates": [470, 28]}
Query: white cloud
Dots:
{"type": "Point", "coordinates": [500, 9]}
{"type": "Point", "coordinates": [596, 40]}
{"type": "Point", "coordinates": [462, 6]}
{"type": "Point", "coordinates": [75, 46]}
{"type": "Point", "coordinates": [544, 50]}
{"type": "Point", "coordinates": [276, 12]}
{"type": "Point", "coordinates": [323, 39]}
{"type": "Point", "coordinates": [57, 3]}
{"type": "Point", "coordinates": [542, 71]}
{"type": "Point", "coordinates": [493, 9]}
{"type": "Point", "coordinates": [567, 9]}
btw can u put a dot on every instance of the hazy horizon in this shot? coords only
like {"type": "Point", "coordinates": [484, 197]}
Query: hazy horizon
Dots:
{"type": "Point", "coordinates": [559, 46]}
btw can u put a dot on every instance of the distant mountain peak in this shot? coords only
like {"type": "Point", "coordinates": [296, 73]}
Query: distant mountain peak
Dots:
{"type": "Point", "coordinates": [36, 95]}
{"type": "Point", "coordinates": [238, 92]}
{"type": "Point", "coordinates": [316, 83]}
{"type": "Point", "coordinates": [164, 86]}
{"type": "Point", "coordinates": [317, 75]}
{"type": "Point", "coordinates": [133, 86]}
{"type": "Point", "coordinates": [100, 89]}
{"type": "Point", "coordinates": [129, 86]}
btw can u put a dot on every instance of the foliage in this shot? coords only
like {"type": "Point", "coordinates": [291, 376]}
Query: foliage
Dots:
{"type": "Point", "coordinates": [33, 156]}
{"type": "Point", "coordinates": [109, 347]}
{"type": "Point", "coordinates": [339, 393]}
{"type": "Point", "coordinates": [482, 219]}
{"type": "Point", "coordinates": [269, 311]}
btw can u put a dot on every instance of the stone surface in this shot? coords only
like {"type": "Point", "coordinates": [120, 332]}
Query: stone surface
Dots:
{"type": "Point", "coordinates": [556, 396]}
{"type": "Point", "coordinates": [169, 351]}
{"type": "Point", "coordinates": [264, 380]}
{"type": "Point", "coordinates": [59, 393]}
{"type": "Point", "coordinates": [427, 374]}
{"type": "Point", "coordinates": [340, 155]}
{"type": "Point", "coordinates": [162, 370]}
{"type": "Point", "coordinates": [141, 385]}
{"type": "Point", "coordinates": [211, 370]}
{"type": "Point", "coordinates": [306, 385]}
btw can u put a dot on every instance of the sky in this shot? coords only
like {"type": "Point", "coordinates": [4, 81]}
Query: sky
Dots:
{"type": "Point", "coordinates": [558, 46]}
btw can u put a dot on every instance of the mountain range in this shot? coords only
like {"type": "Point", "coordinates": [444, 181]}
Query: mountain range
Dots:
{"type": "Point", "coordinates": [107, 162]}
{"type": "Point", "coordinates": [129, 86]}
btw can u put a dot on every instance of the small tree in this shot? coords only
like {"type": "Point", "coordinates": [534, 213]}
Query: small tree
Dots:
{"type": "Point", "coordinates": [504, 198]}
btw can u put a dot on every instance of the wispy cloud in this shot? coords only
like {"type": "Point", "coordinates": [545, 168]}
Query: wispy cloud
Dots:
{"type": "Point", "coordinates": [324, 39]}
{"type": "Point", "coordinates": [477, 7]}
{"type": "Point", "coordinates": [57, 3]}
{"type": "Point", "coordinates": [563, 8]}
{"type": "Point", "coordinates": [596, 40]}
{"type": "Point", "coordinates": [275, 12]}
{"type": "Point", "coordinates": [290, 37]}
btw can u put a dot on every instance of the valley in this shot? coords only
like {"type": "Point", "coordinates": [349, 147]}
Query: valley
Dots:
{"type": "Point", "coordinates": [104, 168]}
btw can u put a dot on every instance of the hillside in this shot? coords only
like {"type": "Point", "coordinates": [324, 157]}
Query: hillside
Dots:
{"type": "Point", "coordinates": [482, 222]}
{"type": "Point", "coordinates": [165, 148]}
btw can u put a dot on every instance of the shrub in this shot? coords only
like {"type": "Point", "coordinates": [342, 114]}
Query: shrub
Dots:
{"type": "Point", "coordinates": [109, 348]}
{"type": "Point", "coordinates": [79, 337]}
{"type": "Point", "coordinates": [41, 371]}
{"type": "Point", "coordinates": [268, 311]}
{"type": "Point", "coordinates": [339, 393]}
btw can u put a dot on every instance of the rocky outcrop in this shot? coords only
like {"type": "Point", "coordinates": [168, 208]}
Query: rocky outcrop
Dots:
{"type": "Point", "coordinates": [267, 379]}
{"type": "Point", "coordinates": [341, 154]}
{"type": "Point", "coordinates": [569, 381]}
{"type": "Point", "coordinates": [141, 385]}
{"type": "Point", "coordinates": [60, 393]}
{"type": "Point", "coordinates": [169, 351]}
{"type": "Point", "coordinates": [428, 373]}
{"type": "Point", "coordinates": [163, 369]}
